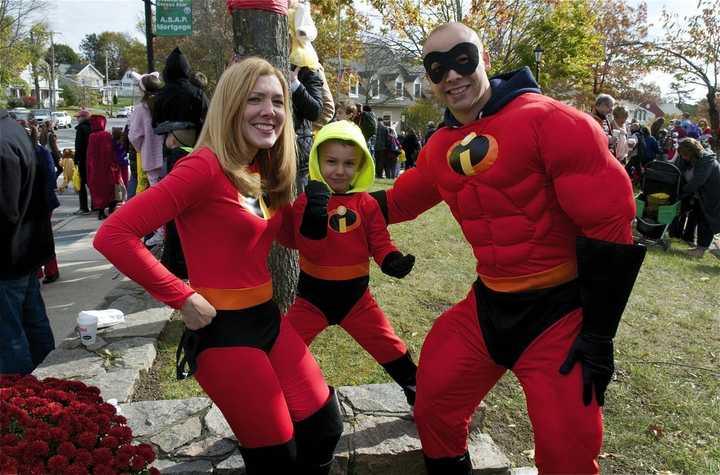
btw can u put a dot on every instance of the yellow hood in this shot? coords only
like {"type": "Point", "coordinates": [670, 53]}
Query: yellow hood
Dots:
{"type": "Point", "coordinates": [344, 130]}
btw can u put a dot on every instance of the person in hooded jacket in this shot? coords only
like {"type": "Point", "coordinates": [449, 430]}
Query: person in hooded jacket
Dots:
{"type": "Point", "coordinates": [336, 226]}
{"type": "Point", "coordinates": [307, 101]}
{"type": "Point", "coordinates": [179, 100]}
{"type": "Point", "coordinates": [26, 243]}
{"type": "Point", "coordinates": [548, 215]}
{"type": "Point", "coordinates": [82, 134]}
{"type": "Point", "coordinates": [102, 168]}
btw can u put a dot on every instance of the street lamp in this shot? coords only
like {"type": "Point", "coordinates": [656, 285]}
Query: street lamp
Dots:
{"type": "Point", "coordinates": [538, 59]}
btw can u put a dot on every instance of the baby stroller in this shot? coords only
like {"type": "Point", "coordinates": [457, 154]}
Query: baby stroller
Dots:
{"type": "Point", "coordinates": [657, 203]}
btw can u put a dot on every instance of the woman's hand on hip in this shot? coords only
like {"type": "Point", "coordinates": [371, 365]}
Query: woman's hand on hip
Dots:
{"type": "Point", "coordinates": [197, 312]}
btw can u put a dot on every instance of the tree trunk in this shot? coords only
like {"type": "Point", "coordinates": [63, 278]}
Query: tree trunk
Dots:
{"type": "Point", "coordinates": [36, 80]}
{"type": "Point", "coordinates": [265, 34]}
{"type": "Point", "coordinates": [714, 118]}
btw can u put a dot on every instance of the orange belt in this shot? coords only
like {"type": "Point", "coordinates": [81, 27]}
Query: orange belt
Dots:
{"type": "Point", "coordinates": [236, 299]}
{"type": "Point", "coordinates": [542, 280]}
{"type": "Point", "coordinates": [334, 272]}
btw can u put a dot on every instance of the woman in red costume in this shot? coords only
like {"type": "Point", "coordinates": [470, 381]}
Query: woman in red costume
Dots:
{"type": "Point", "coordinates": [222, 197]}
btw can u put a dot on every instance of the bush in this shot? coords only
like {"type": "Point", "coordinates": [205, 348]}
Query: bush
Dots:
{"type": "Point", "coordinates": [29, 101]}
{"type": "Point", "coordinates": [14, 102]}
{"type": "Point", "coordinates": [70, 95]}
{"type": "Point", "coordinates": [64, 427]}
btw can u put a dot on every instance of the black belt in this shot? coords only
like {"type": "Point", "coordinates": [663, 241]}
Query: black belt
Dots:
{"type": "Point", "coordinates": [254, 327]}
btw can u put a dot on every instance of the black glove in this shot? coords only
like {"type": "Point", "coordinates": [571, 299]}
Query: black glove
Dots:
{"type": "Point", "coordinates": [314, 223]}
{"type": "Point", "coordinates": [397, 265]}
{"type": "Point", "coordinates": [595, 354]}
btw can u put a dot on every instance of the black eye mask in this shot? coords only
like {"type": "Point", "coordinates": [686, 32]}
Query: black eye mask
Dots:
{"type": "Point", "coordinates": [462, 58]}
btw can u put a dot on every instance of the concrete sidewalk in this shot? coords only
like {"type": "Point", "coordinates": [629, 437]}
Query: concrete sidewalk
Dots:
{"type": "Point", "coordinates": [85, 275]}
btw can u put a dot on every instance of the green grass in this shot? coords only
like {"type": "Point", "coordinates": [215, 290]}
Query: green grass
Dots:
{"type": "Point", "coordinates": [663, 410]}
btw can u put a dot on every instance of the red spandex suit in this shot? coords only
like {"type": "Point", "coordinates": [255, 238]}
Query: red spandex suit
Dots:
{"type": "Point", "coordinates": [547, 211]}
{"type": "Point", "coordinates": [250, 362]}
{"type": "Point", "coordinates": [335, 246]}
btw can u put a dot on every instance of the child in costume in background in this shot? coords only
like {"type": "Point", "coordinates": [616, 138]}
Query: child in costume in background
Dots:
{"type": "Point", "coordinates": [335, 230]}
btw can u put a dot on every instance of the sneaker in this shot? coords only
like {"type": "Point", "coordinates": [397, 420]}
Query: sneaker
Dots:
{"type": "Point", "coordinates": [82, 212]}
{"type": "Point", "coordinates": [155, 240]}
{"type": "Point", "coordinates": [715, 252]}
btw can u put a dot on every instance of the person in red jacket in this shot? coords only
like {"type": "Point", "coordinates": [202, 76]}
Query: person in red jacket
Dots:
{"type": "Point", "coordinates": [102, 169]}
{"type": "Point", "coordinates": [547, 210]}
{"type": "Point", "coordinates": [336, 229]}
{"type": "Point", "coordinates": [222, 196]}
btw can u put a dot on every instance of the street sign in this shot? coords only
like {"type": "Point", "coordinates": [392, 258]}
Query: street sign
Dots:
{"type": "Point", "coordinates": [173, 17]}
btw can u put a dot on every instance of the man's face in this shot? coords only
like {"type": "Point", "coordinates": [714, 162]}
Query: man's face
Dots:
{"type": "Point", "coordinates": [459, 92]}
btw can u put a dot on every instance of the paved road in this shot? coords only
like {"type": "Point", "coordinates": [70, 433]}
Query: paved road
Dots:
{"type": "Point", "coordinates": [85, 275]}
{"type": "Point", "coordinates": [66, 137]}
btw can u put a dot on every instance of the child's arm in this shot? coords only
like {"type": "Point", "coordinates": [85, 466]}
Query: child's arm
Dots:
{"type": "Point", "coordinates": [315, 218]}
{"type": "Point", "coordinates": [391, 261]}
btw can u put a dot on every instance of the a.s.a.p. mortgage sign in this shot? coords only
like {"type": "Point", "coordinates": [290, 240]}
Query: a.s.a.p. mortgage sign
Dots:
{"type": "Point", "coordinates": [173, 17]}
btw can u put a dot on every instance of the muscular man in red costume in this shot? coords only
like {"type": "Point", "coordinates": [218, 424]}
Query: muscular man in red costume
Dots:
{"type": "Point", "coordinates": [547, 211]}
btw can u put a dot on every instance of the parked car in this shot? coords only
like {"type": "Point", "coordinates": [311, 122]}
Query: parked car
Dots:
{"type": "Point", "coordinates": [124, 112]}
{"type": "Point", "coordinates": [42, 115]}
{"type": "Point", "coordinates": [62, 119]}
{"type": "Point", "coordinates": [22, 115]}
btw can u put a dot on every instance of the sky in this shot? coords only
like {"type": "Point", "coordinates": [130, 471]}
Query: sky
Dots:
{"type": "Point", "coordinates": [73, 19]}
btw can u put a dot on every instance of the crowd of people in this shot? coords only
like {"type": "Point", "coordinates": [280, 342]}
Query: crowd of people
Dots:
{"type": "Point", "coordinates": [683, 143]}
{"type": "Point", "coordinates": [269, 159]}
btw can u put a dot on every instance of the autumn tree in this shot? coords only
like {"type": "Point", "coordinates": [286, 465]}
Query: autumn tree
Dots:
{"type": "Point", "coordinates": [210, 46]}
{"type": "Point", "coordinates": [64, 54]}
{"type": "Point", "coordinates": [121, 50]}
{"type": "Point", "coordinates": [16, 19]}
{"type": "Point", "coordinates": [339, 42]}
{"type": "Point", "coordinates": [621, 29]}
{"type": "Point", "coordinates": [693, 54]}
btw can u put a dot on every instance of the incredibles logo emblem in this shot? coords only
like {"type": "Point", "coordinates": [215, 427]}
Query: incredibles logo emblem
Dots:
{"type": "Point", "coordinates": [343, 220]}
{"type": "Point", "coordinates": [473, 154]}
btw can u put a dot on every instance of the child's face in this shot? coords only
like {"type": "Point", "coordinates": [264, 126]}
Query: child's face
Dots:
{"type": "Point", "coordinates": [338, 164]}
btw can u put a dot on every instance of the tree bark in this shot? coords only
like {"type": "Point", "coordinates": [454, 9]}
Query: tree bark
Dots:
{"type": "Point", "coordinates": [265, 34]}
{"type": "Point", "coordinates": [714, 118]}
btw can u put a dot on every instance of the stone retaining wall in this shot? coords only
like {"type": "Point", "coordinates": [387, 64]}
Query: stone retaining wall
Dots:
{"type": "Point", "coordinates": [191, 436]}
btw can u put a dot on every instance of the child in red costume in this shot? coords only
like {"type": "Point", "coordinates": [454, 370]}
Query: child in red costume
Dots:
{"type": "Point", "coordinates": [547, 210]}
{"type": "Point", "coordinates": [335, 233]}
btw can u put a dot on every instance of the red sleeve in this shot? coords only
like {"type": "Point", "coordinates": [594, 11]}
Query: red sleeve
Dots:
{"type": "Point", "coordinates": [378, 236]}
{"type": "Point", "coordinates": [413, 193]}
{"type": "Point", "coordinates": [591, 186]}
{"type": "Point", "coordinates": [286, 234]}
{"type": "Point", "coordinates": [119, 238]}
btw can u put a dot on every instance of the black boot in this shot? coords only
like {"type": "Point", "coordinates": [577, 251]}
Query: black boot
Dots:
{"type": "Point", "coordinates": [271, 460]}
{"type": "Point", "coordinates": [403, 371]}
{"type": "Point", "coordinates": [449, 465]}
{"type": "Point", "coordinates": [101, 214]}
{"type": "Point", "coordinates": [317, 436]}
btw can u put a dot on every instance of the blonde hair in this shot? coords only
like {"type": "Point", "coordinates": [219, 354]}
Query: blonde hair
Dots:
{"type": "Point", "coordinates": [690, 147]}
{"type": "Point", "coordinates": [223, 136]}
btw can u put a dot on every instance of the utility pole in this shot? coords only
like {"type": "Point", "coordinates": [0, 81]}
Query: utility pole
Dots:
{"type": "Point", "coordinates": [52, 73]}
{"type": "Point", "coordinates": [149, 36]}
{"type": "Point", "coordinates": [108, 91]}
{"type": "Point", "coordinates": [339, 43]}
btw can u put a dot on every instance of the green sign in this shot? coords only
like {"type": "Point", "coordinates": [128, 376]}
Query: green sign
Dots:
{"type": "Point", "coordinates": [173, 17]}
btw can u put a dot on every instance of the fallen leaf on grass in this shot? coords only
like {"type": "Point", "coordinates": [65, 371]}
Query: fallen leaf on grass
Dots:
{"type": "Point", "coordinates": [655, 430]}
{"type": "Point", "coordinates": [609, 455]}
{"type": "Point", "coordinates": [530, 453]}
{"type": "Point", "coordinates": [666, 472]}
{"type": "Point", "coordinates": [704, 279]}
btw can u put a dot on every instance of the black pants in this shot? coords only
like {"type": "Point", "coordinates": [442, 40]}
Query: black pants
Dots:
{"type": "Point", "coordinates": [704, 233]}
{"type": "Point", "coordinates": [83, 186]}
{"type": "Point", "coordinates": [380, 158]}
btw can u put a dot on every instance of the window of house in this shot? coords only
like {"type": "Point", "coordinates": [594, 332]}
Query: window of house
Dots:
{"type": "Point", "coordinates": [417, 88]}
{"type": "Point", "coordinates": [375, 88]}
{"type": "Point", "coordinates": [354, 88]}
{"type": "Point", "coordinates": [398, 88]}
{"type": "Point", "coordinates": [387, 119]}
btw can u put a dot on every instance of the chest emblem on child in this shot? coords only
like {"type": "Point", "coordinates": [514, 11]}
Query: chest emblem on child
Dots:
{"type": "Point", "coordinates": [343, 220]}
{"type": "Point", "coordinates": [473, 154]}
